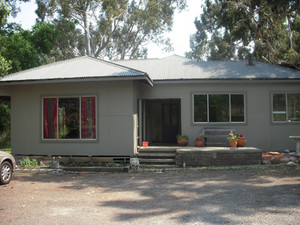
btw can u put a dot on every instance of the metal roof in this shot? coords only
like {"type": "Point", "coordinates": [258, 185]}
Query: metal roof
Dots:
{"type": "Point", "coordinates": [172, 68]}
{"type": "Point", "coordinates": [179, 68]}
{"type": "Point", "coordinates": [76, 68]}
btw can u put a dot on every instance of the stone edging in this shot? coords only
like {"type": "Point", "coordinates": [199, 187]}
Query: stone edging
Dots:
{"type": "Point", "coordinates": [71, 170]}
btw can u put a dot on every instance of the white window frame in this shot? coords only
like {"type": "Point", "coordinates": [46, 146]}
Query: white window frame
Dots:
{"type": "Point", "coordinates": [73, 139]}
{"type": "Point", "coordinates": [207, 106]}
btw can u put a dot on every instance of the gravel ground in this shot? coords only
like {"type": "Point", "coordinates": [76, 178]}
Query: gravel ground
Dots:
{"type": "Point", "coordinates": [235, 196]}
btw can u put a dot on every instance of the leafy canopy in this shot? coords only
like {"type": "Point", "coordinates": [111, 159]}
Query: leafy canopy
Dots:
{"type": "Point", "coordinates": [109, 28]}
{"type": "Point", "coordinates": [231, 29]}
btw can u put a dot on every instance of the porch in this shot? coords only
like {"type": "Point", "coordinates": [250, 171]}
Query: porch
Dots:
{"type": "Point", "coordinates": [176, 156]}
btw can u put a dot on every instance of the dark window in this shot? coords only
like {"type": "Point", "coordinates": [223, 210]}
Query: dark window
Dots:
{"type": "Point", "coordinates": [219, 108]}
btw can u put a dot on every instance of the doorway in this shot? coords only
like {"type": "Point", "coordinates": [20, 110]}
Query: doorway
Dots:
{"type": "Point", "coordinates": [162, 121]}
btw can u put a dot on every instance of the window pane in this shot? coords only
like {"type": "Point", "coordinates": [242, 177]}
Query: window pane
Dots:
{"type": "Point", "coordinates": [88, 118]}
{"type": "Point", "coordinates": [218, 108]}
{"type": "Point", "coordinates": [279, 107]}
{"type": "Point", "coordinates": [200, 108]}
{"type": "Point", "coordinates": [293, 107]}
{"type": "Point", "coordinates": [68, 118]}
{"type": "Point", "coordinates": [237, 108]}
{"type": "Point", "coordinates": [50, 118]}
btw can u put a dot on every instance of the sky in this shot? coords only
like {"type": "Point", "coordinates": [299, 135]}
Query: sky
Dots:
{"type": "Point", "coordinates": [183, 27]}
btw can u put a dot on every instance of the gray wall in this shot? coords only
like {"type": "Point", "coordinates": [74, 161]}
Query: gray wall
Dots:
{"type": "Point", "coordinates": [116, 119]}
{"type": "Point", "coordinates": [5, 91]}
{"type": "Point", "coordinates": [259, 129]}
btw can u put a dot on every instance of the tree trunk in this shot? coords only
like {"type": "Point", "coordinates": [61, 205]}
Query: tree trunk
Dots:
{"type": "Point", "coordinates": [290, 32]}
{"type": "Point", "coordinates": [87, 35]}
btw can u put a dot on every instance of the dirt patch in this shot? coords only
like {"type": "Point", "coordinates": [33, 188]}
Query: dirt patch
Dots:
{"type": "Point", "coordinates": [234, 196]}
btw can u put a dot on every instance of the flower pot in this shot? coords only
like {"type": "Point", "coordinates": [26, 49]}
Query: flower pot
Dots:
{"type": "Point", "coordinates": [182, 142]}
{"type": "Point", "coordinates": [241, 141]}
{"type": "Point", "coordinates": [233, 143]}
{"type": "Point", "coordinates": [198, 142]}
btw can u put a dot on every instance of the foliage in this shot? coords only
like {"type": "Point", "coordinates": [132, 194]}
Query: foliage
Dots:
{"type": "Point", "coordinates": [231, 29]}
{"type": "Point", "coordinates": [232, 137]}
{"type": "Point", "coordinates": [27, 162]}
{"type": "Point", "coordinates": [26, 49]}
{"type": "Point", "coordinates": [184, 137]}
{"type": "Point", "coordinates": [4, 12]}
{"type": "Point", "coordinates": [4, 117]}
{"type": "Point", "coordinates": [111, 28]}
{"type": "Point", "coordinates": [5, 66]}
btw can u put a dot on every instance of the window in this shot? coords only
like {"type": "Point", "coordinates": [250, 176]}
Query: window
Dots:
{"type": "Point", "coordinates": [219, 108]}
{"type": "Point", "coordinates": [286, 107]}
{"type": "Point", "coordinates": [69, 118]}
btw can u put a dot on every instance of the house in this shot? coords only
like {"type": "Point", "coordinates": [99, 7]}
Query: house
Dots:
{"type": "Point", "coordinates": [90, 107]}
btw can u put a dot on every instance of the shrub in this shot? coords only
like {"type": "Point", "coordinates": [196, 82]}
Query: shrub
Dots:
{"type": "Point", "coordinates": [27, 162]}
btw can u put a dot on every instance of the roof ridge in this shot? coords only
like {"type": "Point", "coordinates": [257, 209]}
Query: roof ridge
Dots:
{"type": "Point", "coordinates": [118, 65]}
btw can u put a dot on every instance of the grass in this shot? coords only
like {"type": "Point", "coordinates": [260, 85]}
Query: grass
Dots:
{"type": "Point", "coordinates": [8, 150]}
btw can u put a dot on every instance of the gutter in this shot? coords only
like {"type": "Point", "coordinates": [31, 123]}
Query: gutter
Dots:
{"type": "Point", "coordinates": [204, 81]}
{"type": "Point", "coordinates": [145, 78]}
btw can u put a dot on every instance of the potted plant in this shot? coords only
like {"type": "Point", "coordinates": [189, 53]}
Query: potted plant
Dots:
{"type": "Point", "coordinates": [198, 142]}
{"type": "Point", "coordinates": [232, 139]}
{"type": "Point", "coordinates": [241, 140]}
{"type": "Point", "coordinates": [182, 140]}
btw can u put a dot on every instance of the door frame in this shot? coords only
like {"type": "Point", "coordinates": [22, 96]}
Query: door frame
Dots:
{"type": "Point", "coordinates": [144, 129]}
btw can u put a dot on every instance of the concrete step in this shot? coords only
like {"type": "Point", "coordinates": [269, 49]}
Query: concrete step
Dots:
{"type": "Point", "coordinates": [156, 161]}
{"type": "Point", "coordinates": [157, 149]}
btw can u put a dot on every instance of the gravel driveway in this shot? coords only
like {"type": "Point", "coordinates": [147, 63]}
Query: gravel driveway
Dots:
{"type": "Point", "coordinates": [244, 196]}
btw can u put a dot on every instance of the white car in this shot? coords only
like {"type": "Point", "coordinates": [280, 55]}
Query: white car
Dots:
{"type": "Point", "coordinates": [7, 167]}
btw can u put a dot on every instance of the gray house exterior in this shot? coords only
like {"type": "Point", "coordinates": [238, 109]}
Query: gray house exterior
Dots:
{"type": "Point", "coordinates": [117, 105]}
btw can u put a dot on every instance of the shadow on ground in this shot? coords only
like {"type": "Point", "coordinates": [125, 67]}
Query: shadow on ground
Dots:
{"type": "Point", "coordinates": [216, 196]}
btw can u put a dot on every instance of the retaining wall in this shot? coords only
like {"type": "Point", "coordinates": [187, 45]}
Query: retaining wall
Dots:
{"type": "Point", "coordinates": [218, 156]}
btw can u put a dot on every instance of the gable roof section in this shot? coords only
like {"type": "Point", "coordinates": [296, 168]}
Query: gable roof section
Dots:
{"type": "Point", "coordinates": [85, 67]}
{"type": "Point", "coordinates": [180, 68]}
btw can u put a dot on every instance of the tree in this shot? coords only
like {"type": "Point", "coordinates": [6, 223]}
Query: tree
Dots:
{"type": "Point", "coordinates": [113, 28]}
{"type": "Point", "coordinates": [4, 12]}
{"type": "Point", "coordinates": [5, 66]}
{"type": "Point", "coordinates": [4, 122]}
{"type": "Point", "coordinates": [231, 29]}
{"type": "Point", "coordinates": [27, 49]}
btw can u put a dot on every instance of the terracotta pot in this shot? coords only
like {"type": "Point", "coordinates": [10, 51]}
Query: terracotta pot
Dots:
{"type": "Point", "coordinates": [182, 142]}
{"type": "Point", "coordinates": [198, 142]}
{"type": "Point", "coordinates": [241, 141]}
{"type": "Point", "coordinates": [145, 143]}
{"type": "Point", "coordinates": [233, 143]}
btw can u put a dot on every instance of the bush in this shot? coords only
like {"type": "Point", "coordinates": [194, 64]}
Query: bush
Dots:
{"type": "Point", "coordinates": [27, 162]}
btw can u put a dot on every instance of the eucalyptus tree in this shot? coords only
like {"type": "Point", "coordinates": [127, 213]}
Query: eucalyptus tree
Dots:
{"type": "Point", "coordinates": [231, 29]}
{"type": "Point", "coordinates": [112, 28]}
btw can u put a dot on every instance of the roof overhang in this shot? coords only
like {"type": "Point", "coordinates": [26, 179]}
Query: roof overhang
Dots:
{"type": "Point", "coordinates": [145, 79]}
{"type": "Point", "coordinates": [278, 80]}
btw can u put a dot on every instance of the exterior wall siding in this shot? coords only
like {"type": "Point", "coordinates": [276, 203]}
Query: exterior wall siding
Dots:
{"type": "Point", "coordinates": [116, 121]}
{"type": "Point", "coordinates": [259, 129]}
{"type": "Point", "coordinates": [5, 91]}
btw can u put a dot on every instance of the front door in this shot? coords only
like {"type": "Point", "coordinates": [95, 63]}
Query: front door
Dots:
{"type": "Point", "coordinates": [162, 120]}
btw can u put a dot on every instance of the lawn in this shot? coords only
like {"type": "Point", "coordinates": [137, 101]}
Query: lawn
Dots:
{"type": "Point", "coordinates": [8, 150]}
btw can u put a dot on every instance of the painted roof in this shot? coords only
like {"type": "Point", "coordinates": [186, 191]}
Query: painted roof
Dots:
{"type": "Point", "coordinates": [76, 68]}
{"type": "Point", "coordinates": [171, 68]}
{"type": "Point", "coordinates": [179, 68]}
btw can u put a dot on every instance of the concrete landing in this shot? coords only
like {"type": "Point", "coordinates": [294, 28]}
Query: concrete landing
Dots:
{"type": "Point", "coordinates": [217, 156]}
